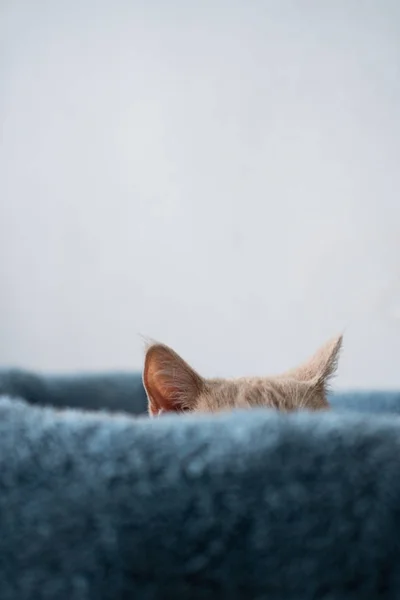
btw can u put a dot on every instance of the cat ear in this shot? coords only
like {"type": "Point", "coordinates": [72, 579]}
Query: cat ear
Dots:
{"type": "Point", "coordinates": [170, 384]}
{"type": "Point", "coordinates": [321, 366]}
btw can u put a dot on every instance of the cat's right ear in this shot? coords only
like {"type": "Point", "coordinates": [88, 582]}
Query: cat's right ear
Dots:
{"type": "Point", "coordinates": [319, 369]}
{"type": "Point", "coordinates": [170, 384]}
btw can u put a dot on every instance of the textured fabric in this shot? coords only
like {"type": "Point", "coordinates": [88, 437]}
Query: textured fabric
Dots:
{"type": "Point", "coordinates": [124, 392]}
{"type": "Point", "coordinates": [245, 506]}
{"type": "Point", "coordinates": [367, 401]}
{"type": "Point", "coordinates": [110, 391]}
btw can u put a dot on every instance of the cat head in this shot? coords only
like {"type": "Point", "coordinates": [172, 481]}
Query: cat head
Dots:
{"type": "Point", "coordinates": [173, 386]}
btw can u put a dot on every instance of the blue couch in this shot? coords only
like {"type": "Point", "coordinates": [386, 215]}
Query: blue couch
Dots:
{"type": "Point", "coordinates": [124, 392]}
{"type": "Point", "coordinates": [248, 505]}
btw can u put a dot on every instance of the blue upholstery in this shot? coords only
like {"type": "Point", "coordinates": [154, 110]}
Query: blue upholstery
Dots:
{"type": "Point", "coordinates": [118, 392]}
{"type": "Point", "coordinates": [243, 506]}
{"type": "Point", "coordinates": [114, 392]}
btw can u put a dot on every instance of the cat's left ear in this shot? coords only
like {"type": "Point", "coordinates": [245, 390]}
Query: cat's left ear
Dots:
{"type": "Point", "coordinates": [171, 384]}
{"type": "Point", "coordinates": [321, 366]}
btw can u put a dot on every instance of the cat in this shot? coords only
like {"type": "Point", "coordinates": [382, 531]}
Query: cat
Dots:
{"type": "Point", "coordinates": [173, 386]}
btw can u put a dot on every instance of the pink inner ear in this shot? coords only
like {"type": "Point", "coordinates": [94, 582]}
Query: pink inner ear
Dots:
{"type": "Point", "coordinates": [162, 397]}
{"type": "Point", "coordinates": [158, 378]}
{"type": "Point", "coordinates": [171, 385]}
{"type": "Point", "coordinates": [154, 411]}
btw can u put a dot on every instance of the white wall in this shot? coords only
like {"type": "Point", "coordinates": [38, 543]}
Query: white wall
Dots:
{"type": "Point", "coordinates": [221, 175]}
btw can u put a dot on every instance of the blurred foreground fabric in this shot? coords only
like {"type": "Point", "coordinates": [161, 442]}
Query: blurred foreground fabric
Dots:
{"type": "Point", "coordinates": [247, 505]}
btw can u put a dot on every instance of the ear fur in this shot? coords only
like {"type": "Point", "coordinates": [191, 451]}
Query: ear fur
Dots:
{"type": "Point", "coordinates": [321, 367]}
{"type": "Point", "coordinates": [171, 384]}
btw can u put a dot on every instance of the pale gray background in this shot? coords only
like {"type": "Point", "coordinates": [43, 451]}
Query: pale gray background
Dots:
{"type": "Point", "coordinates": [220, 175]}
